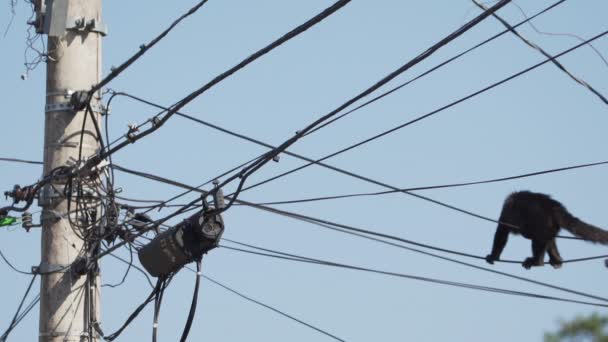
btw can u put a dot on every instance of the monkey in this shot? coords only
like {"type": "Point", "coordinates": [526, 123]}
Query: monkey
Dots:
{"type": "Point", "coordinates": [538, 217]}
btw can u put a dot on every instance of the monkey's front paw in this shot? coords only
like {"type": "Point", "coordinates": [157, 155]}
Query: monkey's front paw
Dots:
{"type": "Point", "coordinates": [490, 259]}
{"type": "Point", "coordinates": [528, 263]}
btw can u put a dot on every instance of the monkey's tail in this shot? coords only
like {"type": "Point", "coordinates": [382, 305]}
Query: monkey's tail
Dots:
{"type": "Point", "coordinates": [579, 228]}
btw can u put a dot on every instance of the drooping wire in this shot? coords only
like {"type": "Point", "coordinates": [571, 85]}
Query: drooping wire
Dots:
{"type": "Point", "coordinates": [557, 34]}
{"type": "Point", "coordinates": [12, 266]}
{"type": "Point", "coordinates": [126, 274]}
{"type": "Point", "coordinates": [298, 258]}
{"type": "Point", "coordinates": [544, 53]}
{"type": "Point", "coordinates": [160, 283]}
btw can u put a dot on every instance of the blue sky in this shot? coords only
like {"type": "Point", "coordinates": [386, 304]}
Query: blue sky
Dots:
{"type": "Point", "coordinates": [539, 121]}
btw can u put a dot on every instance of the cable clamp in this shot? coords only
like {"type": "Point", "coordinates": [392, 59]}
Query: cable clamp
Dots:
{"type": "Point", "coordinates": [68, 107]}
{"type": "Point", "coordinates": [67, 93]}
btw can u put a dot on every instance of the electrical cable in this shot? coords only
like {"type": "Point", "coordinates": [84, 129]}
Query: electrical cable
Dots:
{"type": "Point", "coordinates": [249, 170]}
{"type": "Point", "coordinates": [156, 124]}
{"type": "Point", "coordinates": [377, 136]}
{"type": "Point", "coordinates": [15, 160]}
{"type": "Point", "coordinates": [194, 301]}
{"type": "Point", "coordinates": [429, 71]}
{"type": "Point", "coordinates": [360, 235]}
{"type": "Point", "coordinates": [571, 35]}
{"type": "Point", "coordinates": [360, 231]}
{"type": "Point", "coordinates": [11, 265]}
{"type": "Point", "coordinates": [297, 258]}
{"type": "Point", "coordinates": [312, 219]}
{"type": "Point", "coordinates": [142, 50]}
{"type": "Point", "coordinates": [544, 53]}
{"type": "Point", "coordinates": [21, 316]}
{"type": "Point", "coordinates": [495, 180]}
{"type": "Point", "coordinates": [257, 302]}
{"type": "Point", "coordinates": [437, 67]}
{"type": "Point", "coordinates": [14, 323]}
{"type": "Point", "coordinates": [124, 277]}
{"type": "Point", "coordinates": [318, 161]}
{"type": "Point", "coordinates": [273, 309]}
{"type": "Point", "coordinates": [138, 310]}
{"type": "Point", "coordinates": [157, 303]}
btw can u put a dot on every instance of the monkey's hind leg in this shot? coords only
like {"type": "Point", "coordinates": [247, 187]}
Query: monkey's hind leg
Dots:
{"type": "Point", "coordinates": [554, 258]}
{"type": "Point", "coordinates": [538, 253]}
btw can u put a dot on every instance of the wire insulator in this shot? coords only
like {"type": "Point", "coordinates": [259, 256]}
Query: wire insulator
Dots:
{"type": "Point", "coordinates": [26, 221]}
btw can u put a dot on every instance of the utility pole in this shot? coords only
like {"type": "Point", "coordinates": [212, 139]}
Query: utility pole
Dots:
{"type": "Point", "coordinates": [69, 303]}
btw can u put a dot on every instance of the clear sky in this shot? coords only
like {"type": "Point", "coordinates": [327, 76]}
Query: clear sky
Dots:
{"type": "Point", "coordinates": [539, 121]}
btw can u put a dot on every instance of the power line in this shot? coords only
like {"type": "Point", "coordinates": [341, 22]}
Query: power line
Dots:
{"type": "Point", "coordinates": [156, 124]}
{"type": "Point", "coordinates": [317, 220]}
{"type": "Point", "coordinates": [298, 258]}
{"type": "Point", "coordinates": [280, 312]}
{"type": "Point", "coordinates": [261, 143]}
{"type": "Point", "coordinates": [429, 71]}
{"type": "Point", "coordinates": [142, 50]}
{"type": "Point", "coordinates": [369, 180]}
{"type": "Point", "coordinates": [360, 233]}
{"type": "Point", "coordinates": [15, 160]}
{"type": "Point", "coordinates": [495, 180]}
{"type": "Point", "coordinates": [544, 53]}
{"type": "Point", "coordinates": [437, 67]}
{"type": "Point", "coordinates": [249, 170]}
{"type": "Point", "coordinates": [408, 123]}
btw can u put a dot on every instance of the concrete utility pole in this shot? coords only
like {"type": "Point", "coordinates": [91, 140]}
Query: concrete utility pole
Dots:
{"type": "Point", "coordinates": [68, 303]}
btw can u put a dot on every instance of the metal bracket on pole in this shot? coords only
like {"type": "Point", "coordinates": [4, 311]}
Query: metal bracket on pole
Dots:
{"type": "Point", "coordinates": [56, 21]}
{"type": "Point", "coordinates": [68, 107]}
{"type": "Point", "coordinates": [45, 268]}
{"type": "Point", "coordinates": [49, 193]}
{"type": "Point", "coordinates": [87, 25]}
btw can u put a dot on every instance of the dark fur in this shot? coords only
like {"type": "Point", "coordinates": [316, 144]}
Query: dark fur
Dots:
{"type": "Point", "coordinates": [539, 218]}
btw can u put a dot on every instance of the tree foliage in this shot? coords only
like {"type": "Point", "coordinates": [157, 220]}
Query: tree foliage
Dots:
{"type": "Point", "coordinates": [592, 328]}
